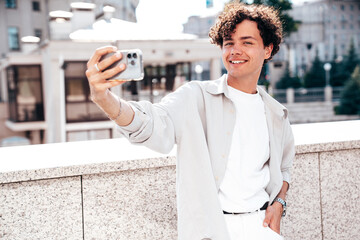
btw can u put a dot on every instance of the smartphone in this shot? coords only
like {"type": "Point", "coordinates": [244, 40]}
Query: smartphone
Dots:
{"type": "Point", "coordinates": [133, 60]}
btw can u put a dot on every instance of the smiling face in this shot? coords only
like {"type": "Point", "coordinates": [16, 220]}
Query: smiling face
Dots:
{"type": "Point", "coordinates": [243, 55]}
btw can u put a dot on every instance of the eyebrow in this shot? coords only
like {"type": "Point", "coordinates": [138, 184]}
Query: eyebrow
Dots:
{"type": "Point", "coordinates": [241, 38]}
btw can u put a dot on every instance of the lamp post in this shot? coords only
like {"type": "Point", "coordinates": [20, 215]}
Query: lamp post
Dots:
{"type": "Point", "coordinates": [328, 89]}
{"type": "Point", "coordinates": [327, 68]}
{"type": "Point", "coordinates": [198, 70]}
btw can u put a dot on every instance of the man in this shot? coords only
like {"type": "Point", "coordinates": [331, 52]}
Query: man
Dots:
{"type": "Point", "coordinates": [234, 141]}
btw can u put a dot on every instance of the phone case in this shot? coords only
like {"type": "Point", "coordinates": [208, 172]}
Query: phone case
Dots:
{"type": "Point", "coordinates": [134, 65]}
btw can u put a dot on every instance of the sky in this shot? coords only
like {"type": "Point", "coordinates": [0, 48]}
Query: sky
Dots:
{"type": "Point", "coordinates": [171, 14]}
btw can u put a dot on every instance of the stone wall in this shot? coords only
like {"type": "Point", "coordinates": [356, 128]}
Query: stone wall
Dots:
{"type": "Point", "coordinates": [136, 198]}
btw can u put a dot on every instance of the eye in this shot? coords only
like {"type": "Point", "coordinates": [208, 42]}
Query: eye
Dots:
{"type": "Point", "coordinates": [248, 43]}
{"type": "Point", "coordinates": [228, 43]}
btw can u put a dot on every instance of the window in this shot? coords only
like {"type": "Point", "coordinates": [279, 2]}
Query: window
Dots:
{"type": "Point", "coordinates": [352, 7]}
{"type": "Point", "coordinates": [36, 6]}
{"type": "Point", "coordinates": [79, 107]}
{"type": "Point", "coordinates": [38, 33]}
{"type": "Point", "coordinates": [25, 93]}
{"type": "Point", "coordinates": [11, 4]}
{"type": "Point", "coordinates": [342, 7]}
{"type": "Point", "coordinates": [13, 38]}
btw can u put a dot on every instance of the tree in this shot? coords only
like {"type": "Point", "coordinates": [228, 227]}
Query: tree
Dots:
{"type": "Point", "coordinates": [350, 60]}
{"type": "Point", "coordinates": [316, 76]}
{"type": "Point", "coordinates": [341, 71]}
{"type": "Point", "coordinates": [287, 81]}
{"type": "Point", "coordinates": [337, 75]}
{"type": "Point", "coordinates": [350, 97]}
{"type": "Point", "coordinates": [289, 24]}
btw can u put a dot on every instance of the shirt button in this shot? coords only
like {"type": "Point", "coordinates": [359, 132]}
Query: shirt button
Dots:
{"type": "Point", "coordinates": [217, 178]}
{"type": "Point", "coordinates": [223, 156]}
{"type": "Point", "coordinates": [228, 133]}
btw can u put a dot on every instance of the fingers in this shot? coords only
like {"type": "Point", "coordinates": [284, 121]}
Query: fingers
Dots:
{"type": "Point", "coordinates": [98, 54]}
{"type": "Point", "coordinates": [108, 61]}
{"type": "Point", "coordinates": [267, 219]}
{"type": "Point", "coordinates": [272, 220]}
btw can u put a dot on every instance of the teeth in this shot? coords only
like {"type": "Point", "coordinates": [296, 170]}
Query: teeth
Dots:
{"type": "Point", "coordinates": [237, 62]}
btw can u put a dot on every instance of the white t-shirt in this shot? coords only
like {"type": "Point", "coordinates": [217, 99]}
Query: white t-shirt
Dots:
{"type": "Point", "coordinates": [247, 173]}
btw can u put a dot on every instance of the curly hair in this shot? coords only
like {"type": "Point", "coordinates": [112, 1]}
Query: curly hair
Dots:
{"type": "Point", "coordinates": [266, 17]}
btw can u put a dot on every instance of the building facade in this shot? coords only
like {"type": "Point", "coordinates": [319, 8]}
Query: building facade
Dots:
{"type": "Point", "coordinates": [20, 18]}
{"type": "Point", "coordinates": [45, 95]}
{"type": "Point", "coordinates": [327, 29]}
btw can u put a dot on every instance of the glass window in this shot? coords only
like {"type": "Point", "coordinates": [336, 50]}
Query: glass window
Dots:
{"type": "Point", "coordinates": [79, 107]}
{"type": "Point", "coordinates": [38, 33]}
{"type": "Point", "coordinates": [36, 6]}
{"type": "Point", "coordinates": [352, 7]}
{"type": "Point", "coordinates": [342, 7]}
{"type": "Point", "coordinates": [13, 38]}
{"type": "Point", "coordinates": [10, 4]}
{"type": "Point", "coordinates": [25, 93]}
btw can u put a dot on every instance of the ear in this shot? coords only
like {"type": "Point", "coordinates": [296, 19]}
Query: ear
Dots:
{"type": "Point", "coordinates": [268, 50]}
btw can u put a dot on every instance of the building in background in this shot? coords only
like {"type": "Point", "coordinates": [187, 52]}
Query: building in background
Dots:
{"type": "Point", "coordinates": [326, 25]}
{"type": "Point", "coordinates": [20, 18]}
{"type": "Point", "coordinates": [327, 28]}
{"type": "Point", "coordinates": [44, 92]}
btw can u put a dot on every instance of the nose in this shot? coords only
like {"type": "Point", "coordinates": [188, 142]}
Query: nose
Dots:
{"type": "Point", "coordinates": [236, 50]}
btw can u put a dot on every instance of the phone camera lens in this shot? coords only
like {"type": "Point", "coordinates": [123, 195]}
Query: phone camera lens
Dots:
{"type": "Point", "coordinates": [129, 55]}
{"type": "Point", "coordinates": [134, 55]}
{"type": "Point", "coordinates": [132, 62]}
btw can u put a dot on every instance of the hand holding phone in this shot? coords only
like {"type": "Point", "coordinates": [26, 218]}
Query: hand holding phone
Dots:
{"type": "Point", "coordinates": [133, 60]}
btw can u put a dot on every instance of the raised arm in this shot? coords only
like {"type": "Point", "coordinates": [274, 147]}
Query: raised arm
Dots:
{"type": "Point", "coordinates": [115, 108]}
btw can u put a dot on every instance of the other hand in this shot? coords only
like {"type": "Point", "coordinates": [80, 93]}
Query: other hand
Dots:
{"type": "Point", "coordinates": [273, 217]}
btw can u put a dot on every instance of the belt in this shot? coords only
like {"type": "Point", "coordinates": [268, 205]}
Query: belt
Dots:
{"type": "Point", "coordinates": [264, 207]}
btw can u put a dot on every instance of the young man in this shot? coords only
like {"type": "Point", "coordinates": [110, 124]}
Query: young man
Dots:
{"type": "Point", "coordinates": [234, 141]}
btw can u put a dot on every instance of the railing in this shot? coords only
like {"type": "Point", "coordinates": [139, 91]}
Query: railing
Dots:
{"type": "Point", "coordinates": [310, 95]}
{"type": "Point", "coordinates": [307, 94]}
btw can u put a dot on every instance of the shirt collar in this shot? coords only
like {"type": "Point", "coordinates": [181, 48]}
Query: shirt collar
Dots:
{"type": "Point", "coordinates": [219, 86]}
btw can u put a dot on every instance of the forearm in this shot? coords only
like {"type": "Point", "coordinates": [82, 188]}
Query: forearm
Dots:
{"type": "Point", "coordinates": [282, 195]}
{"type": "Point", "coordinates": [120, 111]}
{"type": "Point", "coordinates": [283, 191]}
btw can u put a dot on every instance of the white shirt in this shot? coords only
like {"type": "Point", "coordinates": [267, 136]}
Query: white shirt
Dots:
{"type": "Point", "coordinates": [247, 173]}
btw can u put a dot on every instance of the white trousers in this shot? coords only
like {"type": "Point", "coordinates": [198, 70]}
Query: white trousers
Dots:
{"type": "Point", "coordinates": [249, 227]}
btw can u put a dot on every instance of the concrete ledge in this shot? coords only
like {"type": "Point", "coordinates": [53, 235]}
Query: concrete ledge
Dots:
{"type": "Point", "coordinates": [111, 189]}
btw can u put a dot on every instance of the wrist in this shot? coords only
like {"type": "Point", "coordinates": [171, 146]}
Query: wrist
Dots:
{"type": "Point", "coordinates": [99, 97]}
{"type": "Point", "coordinates": [280, 204]}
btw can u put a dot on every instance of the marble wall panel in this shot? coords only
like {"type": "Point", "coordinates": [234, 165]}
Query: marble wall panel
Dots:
{"type": "Point", "coordinates": [136, 204]}
{"type": "Point", "coordinates": [303, 218]}
{"type": "Point", "coordinates": [340, 188]}
{"type": "Point", "coordinates": [43, 209]}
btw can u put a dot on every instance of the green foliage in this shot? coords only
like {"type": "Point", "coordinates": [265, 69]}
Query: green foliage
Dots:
{"type": "Point", "coordinates": [316, 76]}
{"type": "Point", "coordinates": [350, 97]}
{"type": "Point", "coordinates": [287, 81]}
{"type": "Point", "coordinates": [341, 71]}
{"type": "Point", "coordinates": [289, 24]}
{"type": "Point", "coordinates": [350, 59]}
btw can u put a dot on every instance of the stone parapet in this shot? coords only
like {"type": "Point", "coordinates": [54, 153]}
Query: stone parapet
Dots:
{"type": "Point", "coordinates": [110, 189]}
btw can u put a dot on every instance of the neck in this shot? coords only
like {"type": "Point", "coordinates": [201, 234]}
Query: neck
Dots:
{"type": "Point", "coordinates": [244, 86]}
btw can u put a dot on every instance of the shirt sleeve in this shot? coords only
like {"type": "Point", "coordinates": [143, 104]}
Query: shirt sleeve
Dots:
{"type": "Point", "coordinates": [288, 153]}
{"type": "Point", "coordinates": [157, 125]}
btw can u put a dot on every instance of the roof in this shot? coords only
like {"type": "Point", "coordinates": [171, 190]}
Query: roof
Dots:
{"type": "Point", "coordinates": [117, 29]}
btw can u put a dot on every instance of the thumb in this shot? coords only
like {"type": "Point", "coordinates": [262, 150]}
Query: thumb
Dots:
{"type": "Point", "coordinates": [267, 219]}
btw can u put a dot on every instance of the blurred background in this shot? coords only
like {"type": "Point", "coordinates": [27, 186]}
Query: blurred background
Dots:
{"type": "Point", "coordinates": [45, 45]}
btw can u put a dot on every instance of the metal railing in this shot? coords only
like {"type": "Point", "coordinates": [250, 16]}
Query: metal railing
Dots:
{"type": "Point", "coordinates": [306, 94]}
